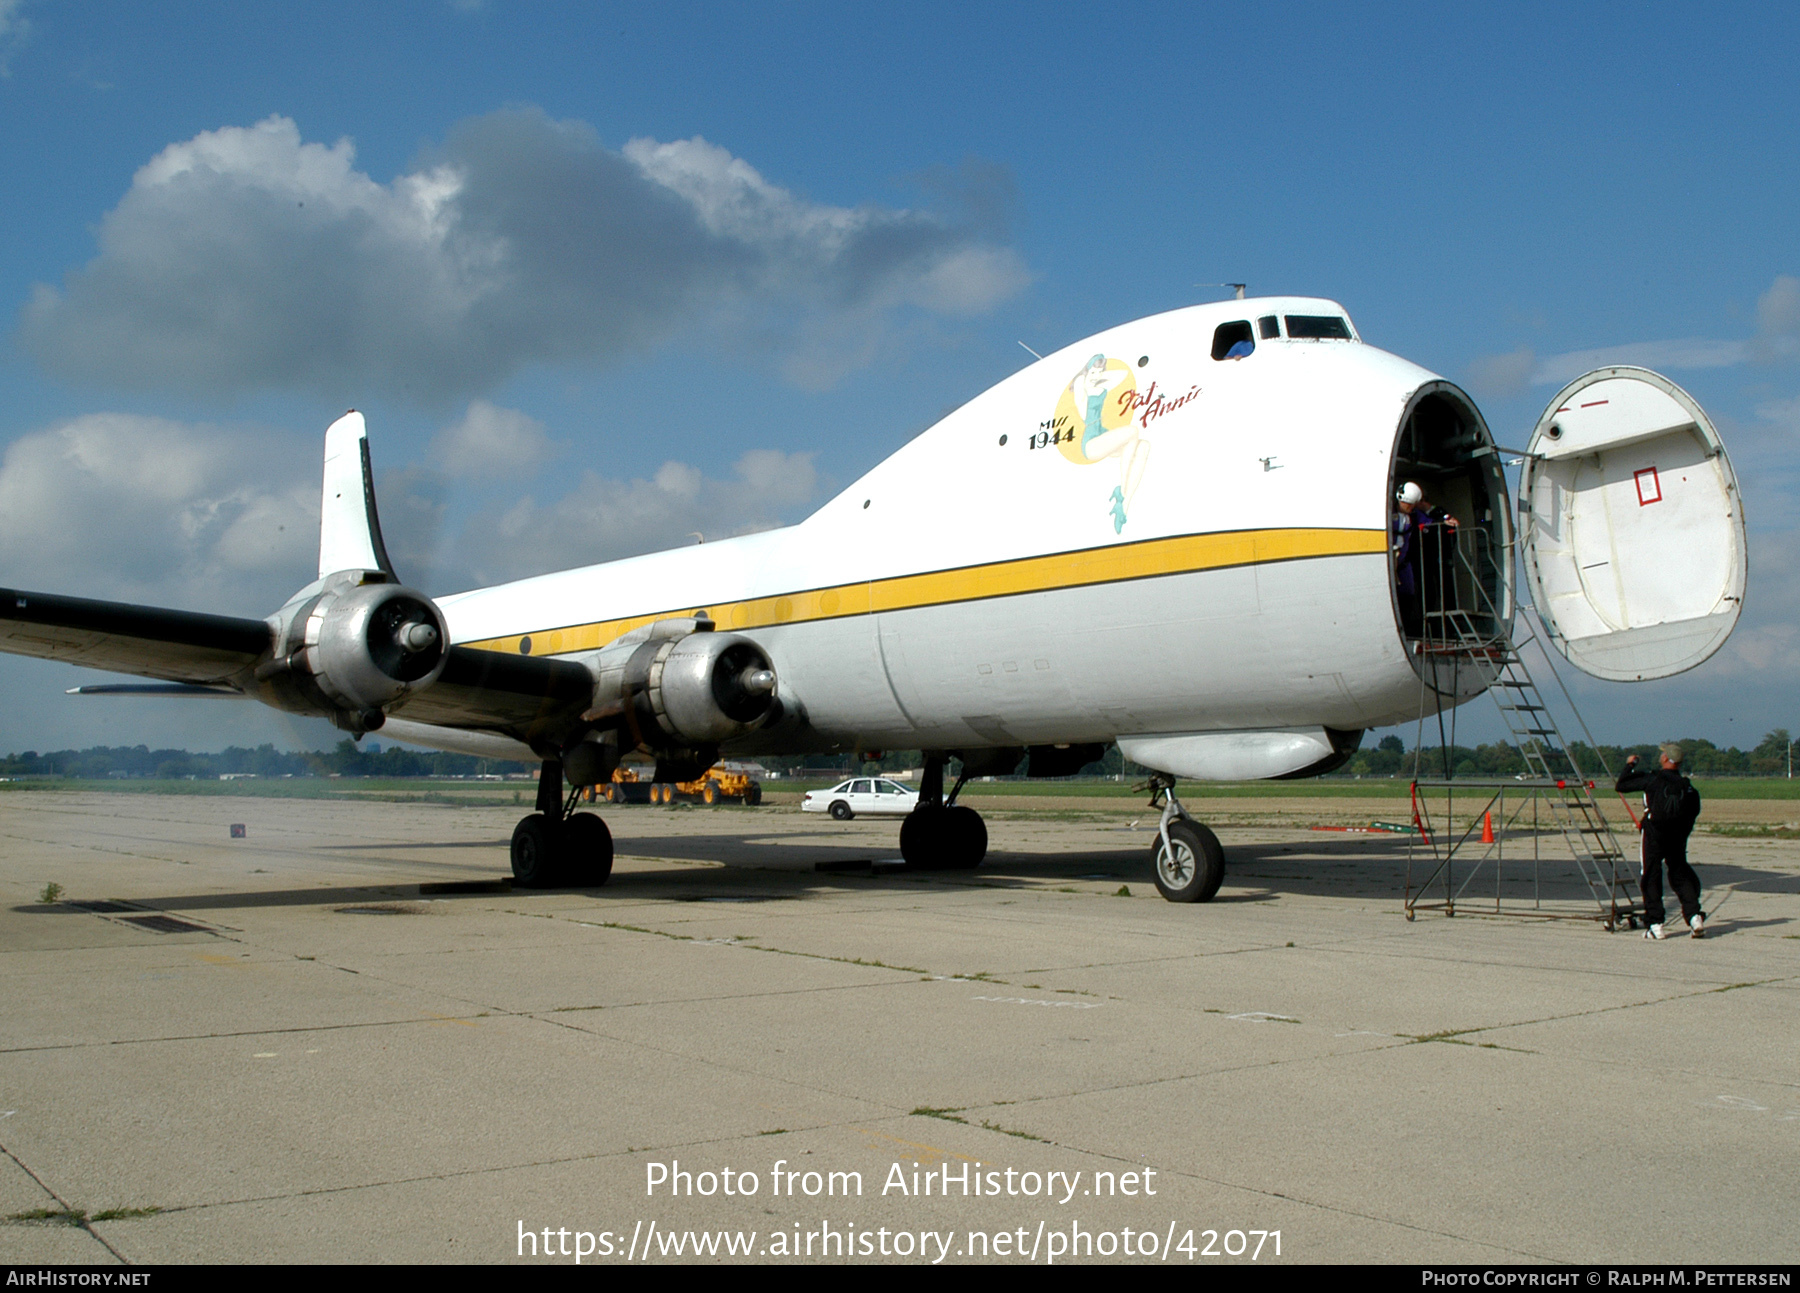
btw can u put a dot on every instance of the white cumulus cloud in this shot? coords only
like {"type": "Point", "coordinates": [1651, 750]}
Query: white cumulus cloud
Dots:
{"type": "Point", "coordinates": [491, 441]}
{"type": "Point", "coordinates": [603, 518]}
{"type": "Point", "coordinates": [1777, 340]}
{"type": "Point", "coordinates": [246, 258]}
{"type": "Point", "coordinates": [144, 509]}
{"type": "Point", "coordinates": [1686, 353]}
{"type": "Point", "coordinates": [141, 509]}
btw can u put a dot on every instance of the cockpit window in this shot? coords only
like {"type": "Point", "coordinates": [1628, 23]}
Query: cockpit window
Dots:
{"type": "Point", "coordinates": [1317, 327]}
{"type": "Point", "coordinates": [1233, 340]}
{"type": "Point", "coordinates": [1268, 326]}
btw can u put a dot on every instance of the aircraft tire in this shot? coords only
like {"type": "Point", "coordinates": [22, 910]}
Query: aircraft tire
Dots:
{"type": "Point", "coordinates": [587, 850]}
{"type": "Point", "coordinates": [840, 811]}
{"type": "Point", "coordinates": [965, 839]}
{"type": "Point", "coordinates": [943, 839]}
{"type": "Point", "coordinates": [919, 838]}
{"type": "Point", "coordinates": [536, 852]}
{"type": "Point", "coordinates": [1197, 867]}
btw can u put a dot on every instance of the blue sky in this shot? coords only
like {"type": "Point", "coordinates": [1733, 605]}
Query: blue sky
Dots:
{"type": "Point", "coordinates": [768, 244]}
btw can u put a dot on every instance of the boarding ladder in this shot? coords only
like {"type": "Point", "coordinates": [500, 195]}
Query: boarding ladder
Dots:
{"type": "Point", "coordinates": [1453, 642]}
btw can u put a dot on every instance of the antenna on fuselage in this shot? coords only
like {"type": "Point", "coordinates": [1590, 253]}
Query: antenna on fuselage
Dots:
{"type": "Point", "coordinates": [1028, 350]}
{"type": "Point", "coordinates": [1237, 287]}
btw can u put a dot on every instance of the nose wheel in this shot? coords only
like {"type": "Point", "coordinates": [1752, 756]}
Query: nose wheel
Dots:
{"type": "Point", "coordinates": [1188, 864]}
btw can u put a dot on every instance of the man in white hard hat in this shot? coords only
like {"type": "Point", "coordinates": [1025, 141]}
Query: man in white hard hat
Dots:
{"type": "Point", "coordinates": [1412, 514]}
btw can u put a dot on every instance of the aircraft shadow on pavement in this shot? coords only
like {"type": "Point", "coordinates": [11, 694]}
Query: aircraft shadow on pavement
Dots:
{"type": "Point", "coordinates": [756, 867]}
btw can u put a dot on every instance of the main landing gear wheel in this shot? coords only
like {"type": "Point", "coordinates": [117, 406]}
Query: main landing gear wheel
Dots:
{"type": "Point", "coordinates": [587, 851]}
{"type": "Point", "coordinates": [547, 853]}
{"type": "Point", "coordinates": [943, 839]}
{"type": "Point", "coordinates": [535, 852]}
{"type": "Point", "coordinates": [840, 811]}
{"type": "Point", "coordinates": [1192, 868]}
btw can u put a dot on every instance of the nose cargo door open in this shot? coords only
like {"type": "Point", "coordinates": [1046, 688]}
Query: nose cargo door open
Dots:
{"type": "Point", "coordinates": [1633, 530]}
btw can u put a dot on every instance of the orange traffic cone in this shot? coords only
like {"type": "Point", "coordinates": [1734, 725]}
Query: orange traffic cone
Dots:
{"type": "Point", "coordinates": [1487, 828]}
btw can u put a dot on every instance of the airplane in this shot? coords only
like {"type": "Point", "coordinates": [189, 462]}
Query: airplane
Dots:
{"type": "Point", "coordinates": [1179, 534]}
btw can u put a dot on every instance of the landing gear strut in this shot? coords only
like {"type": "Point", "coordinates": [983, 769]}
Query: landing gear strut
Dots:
{"type": "Point", "coordinates": [940, 834]}
{"type": "Point", "coordinates": [557, 845]}
{"type": "Point", "coordinates": [1188, 863]}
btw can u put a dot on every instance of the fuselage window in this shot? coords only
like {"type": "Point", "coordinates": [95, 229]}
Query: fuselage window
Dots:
{"type": "Point", "coordinates": [1233, 340]}
{"type": "Point", "coordinates": [1317, 327]}
{"type": "Point", "coordinates": [1269, 326]}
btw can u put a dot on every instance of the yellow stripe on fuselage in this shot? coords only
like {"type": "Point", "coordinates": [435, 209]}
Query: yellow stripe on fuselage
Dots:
{"type": "Point", "coordinates": [1110, 565]}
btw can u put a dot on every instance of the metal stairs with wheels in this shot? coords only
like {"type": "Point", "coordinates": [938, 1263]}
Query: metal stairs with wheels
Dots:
{"type": "Point", "coordinates": [1553, 785]}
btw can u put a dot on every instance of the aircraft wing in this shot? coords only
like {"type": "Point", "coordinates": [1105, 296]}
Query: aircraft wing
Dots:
{"type": "Point", "coordinates": [175, 646]}
{"type": "Point", "coordinates": [524, 697]}
{"type": "Point", "coordinates": [529, 698]}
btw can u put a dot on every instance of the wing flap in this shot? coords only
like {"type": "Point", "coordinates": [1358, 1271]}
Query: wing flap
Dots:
{"type": "Point", "coordinates": [533, 699]}
{"type": "Point", "coordinates": [175, 646]}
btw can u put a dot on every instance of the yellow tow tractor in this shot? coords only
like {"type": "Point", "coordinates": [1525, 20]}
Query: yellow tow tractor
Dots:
{"type": "Point", "coordinates": [715, 786]}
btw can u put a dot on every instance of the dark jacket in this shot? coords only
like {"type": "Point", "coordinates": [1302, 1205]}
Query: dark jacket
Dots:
{"type": "Point", "coordinates": [1405, 529]}
{"type": "Point", "coordinates": [1659, 785]}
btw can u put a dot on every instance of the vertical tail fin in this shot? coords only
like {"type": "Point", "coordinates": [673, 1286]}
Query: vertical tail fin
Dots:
{"type": "Point", "coordinates": [349, 529]}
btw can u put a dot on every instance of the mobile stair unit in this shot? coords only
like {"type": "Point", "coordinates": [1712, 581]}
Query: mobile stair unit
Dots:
{"type": "Point", "coordinates": [1459, 858]}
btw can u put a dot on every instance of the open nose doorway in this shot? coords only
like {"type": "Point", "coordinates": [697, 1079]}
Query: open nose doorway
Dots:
{"type": "Point", "coordinates": [1448, 525]}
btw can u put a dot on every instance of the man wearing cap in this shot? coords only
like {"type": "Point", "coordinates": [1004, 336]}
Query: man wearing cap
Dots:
{"type": "Point", "coordinates": [1411, 515]}
{"type": "Point", "coordinates": [1670, 805]}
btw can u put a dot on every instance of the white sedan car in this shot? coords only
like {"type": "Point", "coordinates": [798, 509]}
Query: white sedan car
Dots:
{"type": "Point", "coordinates": [861, 795]}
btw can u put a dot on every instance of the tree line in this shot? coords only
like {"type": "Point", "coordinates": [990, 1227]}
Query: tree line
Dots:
{"type": "Point", "coordinates": [349, 759]}
{"type": "Point", "coordinates": [1388, 758]}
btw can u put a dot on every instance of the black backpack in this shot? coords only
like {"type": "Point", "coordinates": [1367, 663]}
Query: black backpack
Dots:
{"type": "Point", "coordinates": [1674, 803]}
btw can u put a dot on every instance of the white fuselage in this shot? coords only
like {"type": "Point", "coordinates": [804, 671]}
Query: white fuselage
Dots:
{"type": "Point", "coordinates": [1162, 542]}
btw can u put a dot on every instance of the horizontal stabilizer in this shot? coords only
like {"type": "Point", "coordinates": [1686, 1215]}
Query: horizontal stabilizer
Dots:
{"type": "Point", "coordinates": [349, 529]}
{"type": "Point", "coordinates": [177, 646]}
{"type": "Point", "coordinates": [187, 690]}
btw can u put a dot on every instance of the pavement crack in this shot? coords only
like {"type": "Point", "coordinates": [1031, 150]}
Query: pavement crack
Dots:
{"type": "Point", "coordinates": [64, 1211]}
{"type": "Point", "coordinates": [225, 1036]}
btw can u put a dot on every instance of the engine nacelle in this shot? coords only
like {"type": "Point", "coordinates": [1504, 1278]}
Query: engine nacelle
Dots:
{"type": "Point", "coordinates": [351, 649]}
{"type": "Point", "coordinates": [680, 686]}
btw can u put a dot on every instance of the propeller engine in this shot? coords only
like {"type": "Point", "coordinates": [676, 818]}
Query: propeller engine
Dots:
{"type": "Point", "coordinates": [677, 688]}
{"type": "Point", "coordinates": [352, 646]}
